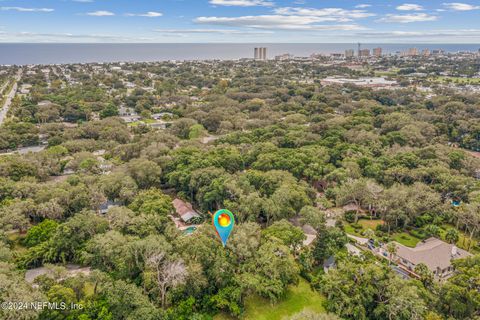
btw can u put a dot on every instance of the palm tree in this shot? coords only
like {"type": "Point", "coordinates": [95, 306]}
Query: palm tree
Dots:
{"type": "Point", "coordinates": [452, 236]}
{"type": "Point", "coordinates": [369, 233]}
{"type": "Point", "coordinates": [392, 250]}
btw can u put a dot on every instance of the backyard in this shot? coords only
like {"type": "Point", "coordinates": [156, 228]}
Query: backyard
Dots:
{"type": "Point", "coordinates": [298, 298]}
{"type": "Point", "coordinates": [409, 238]}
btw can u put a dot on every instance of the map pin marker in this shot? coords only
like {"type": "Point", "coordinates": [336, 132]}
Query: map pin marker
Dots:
{"type": "Point", "coordinates": [223, 222]}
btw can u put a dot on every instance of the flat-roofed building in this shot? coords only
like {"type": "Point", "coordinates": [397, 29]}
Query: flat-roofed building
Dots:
{"type": "Point", "coordinates": [350, 53]}
{"type": "Point", "coordinates": [377, 52]}
{"type": "Point", "coordinates": [364, 53]}
{"type": "Point", "coordinates": [260, 53]}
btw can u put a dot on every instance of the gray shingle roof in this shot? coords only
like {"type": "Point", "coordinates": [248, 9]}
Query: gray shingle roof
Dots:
{"type": "Point", "coordinates": [434, 253]}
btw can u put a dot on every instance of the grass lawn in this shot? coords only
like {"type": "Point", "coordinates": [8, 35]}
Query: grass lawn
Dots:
{"type": "Point", "coordinates": [134, 124]}
{"type": "Point", "coordinates": [350, 230]}
{"type": "Point", "coordinates": [385, 73]}
{"type": "Point", "coordinates": [406, 239]}
{"type": "Point", "coordinates": [365, 223]}
{"type": "Point", "coordinates": [444, 79]}
{"type": "Point", "coordinates": [297, 298]}
{"type": "Point", "coordinates": [17, 239]}
{"type": "Point", "coordinates": [370, 224]}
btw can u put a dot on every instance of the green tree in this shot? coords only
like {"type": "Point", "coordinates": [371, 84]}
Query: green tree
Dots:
{"type": "Point", "coordinates": [392, 250]}
{"type": "Point", "coordinates": [353, 288]}
{"type": "Point", "coordinates": [40, 233]}
{"type": "Point", "coordinates": [460, 295]}
{"type": "Point", "coordinates": [402, 301]}
{"type": "Point", "coordinates": [328, 242]}
{"type": "Point", "coordinates": [109, 111]}
{"type": "Point", "coordinates": [290, 235]}
{"type": "Point", "coordinates": [452, 236]}
{"type": "Point", "coordinates": [152, 201]}
{"type": "Point", "coordinates": [146, 173]}
{"type": "Point", "coordinates": [196, 131]}
{"type": "Point", "coordinates": [426, 276]}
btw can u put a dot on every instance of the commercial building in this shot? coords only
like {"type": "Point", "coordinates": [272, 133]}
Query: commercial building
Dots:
{"type": "Point", "coordinates": [377, 52]}
{"type": "Point", "coordinates": [426, 52]}
{"type": "Point", "coordinates": [350, 53]}
{"type": "Point", "coordinates": [283, 57]}
{"type": "Point", "coordinates": [260, 53]}
{"type": "Point", "coordinates": [412, 52]}
{"type": "Point", "coordinates": [364, 53]}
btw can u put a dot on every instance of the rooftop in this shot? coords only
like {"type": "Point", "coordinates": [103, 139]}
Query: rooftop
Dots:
{"type": "Point", "coordinates": [434, 253]}
{"type": "Point", "coordinates": [184, 210]}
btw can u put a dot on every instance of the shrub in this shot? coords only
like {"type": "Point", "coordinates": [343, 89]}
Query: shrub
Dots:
{"type": "Point", "coordinates": [356, 226]}
{"type": "Point", "coordinates": [350, 216]}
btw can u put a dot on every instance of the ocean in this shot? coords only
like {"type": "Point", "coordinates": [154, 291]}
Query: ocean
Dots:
{"type": "Point", "coordinates": [41, 53]}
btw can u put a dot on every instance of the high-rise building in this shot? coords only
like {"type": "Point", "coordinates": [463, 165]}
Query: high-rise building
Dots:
{"type": "Point", "coordinates": [260, 53]}
{"type": "Point", "coordinates": [363, 53]}
{"type": "Point", "coordinates": [426, 52]}
{"type": "Point", "coordinates": [350, 53]}
{"type": "Point", "coordinates": [377, 52]}
{"type": "Point", "coordinates": [412, 52]}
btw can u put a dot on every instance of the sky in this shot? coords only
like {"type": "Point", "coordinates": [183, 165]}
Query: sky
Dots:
{"type": "Point", "coordinates": [239, 21]}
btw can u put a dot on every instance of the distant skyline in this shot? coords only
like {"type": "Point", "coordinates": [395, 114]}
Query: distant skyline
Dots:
{"type": "Point", "coordinates": [239, 21]}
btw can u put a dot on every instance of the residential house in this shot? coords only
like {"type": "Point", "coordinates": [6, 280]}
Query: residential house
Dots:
{"type": "Point", "coordinates": [107, 205]}
{"type": "Point", "coordinates": [161, 115]}
{"type": "Point", "coordinates": [329, 264]}
{"type": "Point", "coordinates": [185, 210]}
{"type": "Point", "coordinates": [436, 254]}
{"type": "Point", "coordinates": [310, 233]}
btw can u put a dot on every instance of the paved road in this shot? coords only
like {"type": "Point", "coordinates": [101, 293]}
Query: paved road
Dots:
{"type": "Point", "coordinates": [10, 96]}
{"type": "Point", "coordinates": [359, 240]}
{"type": "Point", "coordinates": [25, 150]}
{"type": "Point", "coordinates": [4, 86]}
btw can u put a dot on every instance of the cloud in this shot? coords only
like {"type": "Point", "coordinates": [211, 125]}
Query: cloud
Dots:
{"type": "Point", "coordinates": [410, 7]}
{"type": "Point", "coordinates": [363, 6]}
{"type": "Point", "coordinates": [242, 3]}
{"type": "Point", "coordinates": [437, 36]}
{"type": "Point", "coordinates": [457, 6]}
{"type": "Point", "coordinates": [214, 31]}
{"type": "Point", "coordinates": [65, 37]}
{"type": "Point", "coordinates": [21, 9]}
{"type": "Point", "coordinates": [100, 13]}
{"type": "Point", "coordinates": [457, 32]}
{"type": "Point", "coordinates": [149, 14]}
{"type": "Point", "coordinates": [276, 22]}
{"type": "Point", "coordinates": [334, 14]}
{"type": "Point", "coordinates": [408, 18]}
{"type": "Point", "coordinates": [294, 18]}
